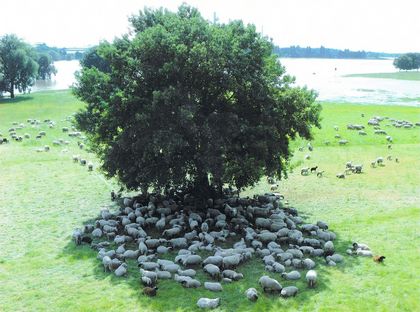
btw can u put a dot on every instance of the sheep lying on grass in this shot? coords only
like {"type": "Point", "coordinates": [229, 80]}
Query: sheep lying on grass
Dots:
{"type": "Point", "coordinates": [206, 303]}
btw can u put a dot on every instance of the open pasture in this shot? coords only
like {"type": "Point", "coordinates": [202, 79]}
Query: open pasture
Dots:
{"type": "Point", "coordinates": [44, 196]}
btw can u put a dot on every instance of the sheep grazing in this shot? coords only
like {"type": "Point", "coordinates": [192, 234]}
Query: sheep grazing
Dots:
{"type": "Point", "coordinates": [232, 275]}
{"type": "Point", "coordinates": [150, 291]}
{"type": "Point", "coordinates": [320, 174]}
{"type": "Point", "coordinates": [77, 236]}
{"type": "Point", "coordinates": [274, 187]}
{"type": "Point", "coordinates": [46, 148]}
{"type": "Point", "coordinates": [292, 276]}
{"type": "Point", "coordinates": [311, 278]}
{"type": "Point", "coordinates": [269, 284]}
{"type": "Point", "coordinates": [212, 270]}
{"type": "Point", "coordinates": [189, 282]}
{"type": "Point", "coordinates": [343, 142]}
{"type": "Point", "coordinates": [213, 286]}
{"type": "Point", "coordinates": [304, 171]}
{"type": "Point", "coordinates": [364, 253]}
{"type": "Point", "coordinates": [361, 246]}
{"type": "Point", "coordinates": [329, 248]}
{"type": "Point", "coordinates": [90, 166]}
{"type": "Point", "coordinates": [122, 270]}
{"type": "Point", "coordinates": [379, 259]}
{"type": "Point", "coordinates": [289, 291]}
{"type": "Point", "coordinates": [340, 175]}
{"type": "Point", "coordinates": [206, 303]}
{"type": "Point", "coordinates": [307, 156]}
{"type": "Point", "coordinates": [251, 294]}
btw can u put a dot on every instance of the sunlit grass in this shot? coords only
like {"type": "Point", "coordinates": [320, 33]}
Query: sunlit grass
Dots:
{"type": "Point", "coordinates": [401, 75]}
{"type": "Point", "coordinates": [44, 196]}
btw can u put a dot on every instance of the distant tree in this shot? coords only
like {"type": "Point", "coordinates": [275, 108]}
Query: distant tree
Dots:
{"type": "Point", "coordinates": [408, 61]}
{"type": "Point", "coordinates": [45, 67]}
{"type": "Point", "coordinates": [188, 102]}
{"type": "Point", "coordinates": [17, 64]}
{"type": "Point", "coordinates": [91, 58]}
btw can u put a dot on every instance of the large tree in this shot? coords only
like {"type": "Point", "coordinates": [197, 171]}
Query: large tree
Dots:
{"type": "Point", "coordinates": [408, 61]}
{"type": "Point", "coordinates": [17, 64]}
{"type": "Point", "coordinates": [188, 102]}
{"type": "Point", "coordinates": [45, 66]}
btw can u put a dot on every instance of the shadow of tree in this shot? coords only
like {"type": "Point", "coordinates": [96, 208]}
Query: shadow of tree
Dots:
{"type": "Point", "coordinates": [172, 296]}
{"type": "Point", "coordinates": [17, 99]}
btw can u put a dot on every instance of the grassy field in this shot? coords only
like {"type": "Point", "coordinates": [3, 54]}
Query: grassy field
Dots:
{"type": "Point", "coordinates": [44, 196]}
{"type": "Point", "coordinates": [401, 75]}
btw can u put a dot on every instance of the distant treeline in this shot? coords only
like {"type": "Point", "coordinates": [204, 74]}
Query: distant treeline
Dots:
{"type": "Point", "coordinates": [58, 54]}
{"type": "Point", "coordinates": [322, 52]}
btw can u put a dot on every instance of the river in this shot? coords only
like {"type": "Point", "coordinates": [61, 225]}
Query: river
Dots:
{"type": "Point", "coordinates": [326, 76]}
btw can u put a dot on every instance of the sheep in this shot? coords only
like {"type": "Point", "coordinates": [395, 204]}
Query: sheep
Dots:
{"type": "Point", "coordinates": [188, 272]}
{"type": "Point", "coordinates": [336, 128]}
{"type": "Point", "coordinates": [232, 275]}
{"type": "Point", "coordinates": [150, 291]}
{"type": "Point", "coordinates": [172, 267]}
{"type": "Point", "coordinates": [146, 281]}
{"type": "Point", "coordinates": [269, 284]}
{"type": "Point", "coordinates": [373, 164]}
{"type": "Point", "coordinates": [192, 260]}
{"type": "Point", "coordinates": [337, 136]}
{"type": "Point", "coordinates": [389, 157]}
{"type": "Point", "coordinates": [46, 148]}
{"type": "Point", "coordinates": [212, 270]}
{"type": "Point", "coordinates": [213, 286]}
{"type": "Point", "coordinates": [77, 236]}
{"type": "Point", "coordinates": [364, 253]}
{"type": "Point", "coordinates": [307, 157]}
{"type": "Point", "coordinates": [343, 142]}
{"type": "Point", "coordinates": [362, 246]}
{"type": "Point", "coordinates": [190, 283]}
{"type": "Point", "coordinates": [251, 294]}
{"type": "Point", "coordinates": [289, 291]}
{"type": "Point", "coordinates": [380, 161]}
{"type": "Point", "coordinates": [90, 166]}
{"type": "Point", "coordinates": [304, 171]}
{"type": "Point", "coordinates": [311, 278]}
{"type": "Point", "coordinates": [340, 175]}
{"type": "Point", "coordinates": [308, 263]}
{"type": "Point", "coordinates": [163, 249]}
{"type": "Point", "coordinates": [216, 260]}
{"type": "Point", "coordinates": [163, 274]}
{"type": "Point", "coordinates": [131, 254]}
{"type": "Point", "coordinates": [274, 187]}
{"type": "Point", "coordinates": [122, 270]}
{"type": "Point", "coordinates": [97, 233]}
{"type": "Point", "coordinates": [293, 275]}
{"type": "Point", "coordinates": [337, 258]}
{"type": "Point", "coordinates": [152, 275]}
{"type": "Point", "coordinates": [149, 265]}
{"type": "Point", "coordinates": [357, 168]}
{"type": "Point", "coordinates": [231, 261]}
{"type": "Point", "coordinates": [320, 174]}
{"type": "Point", "coordinates": [83, 162]}
{"type": "Point", "coordinates": [206, 303]}
{"type": "Point", "coordinates": [328, 248]}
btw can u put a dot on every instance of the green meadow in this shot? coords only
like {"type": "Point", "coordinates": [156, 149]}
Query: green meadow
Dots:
{"type": "Point", "coordinates": [44, 196]}
{"type": "Point", "coordinates": [401, 75]}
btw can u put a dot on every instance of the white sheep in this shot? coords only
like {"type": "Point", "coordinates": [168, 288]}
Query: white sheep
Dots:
{"type": "Point", "coordinates": [212, 270]}
{"type": "Point", "coordinates": [293, 275]}
{"type": "Point", "coordinates": [269, 284]}
{"type": "Point", "coordinates": [122, 270]}
{"type": "Point", "coordinates": [212, 286]}
{"type": "Point", "coordinates": [289, 291]}
{"type": "Point", "coordinates": [206, 303]}
{"type": "Point", "coordinates": [251, 294]}
{"type": "Point", "coordinates": [311, 278]}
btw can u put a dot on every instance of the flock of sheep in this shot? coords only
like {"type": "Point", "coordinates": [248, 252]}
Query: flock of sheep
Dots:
{"type": "Point", "coordinates": [146, 228]}
{"type": "Point", "coordinates": [36, 124]}
{"type": "Point", "coordinates": [357, 168]}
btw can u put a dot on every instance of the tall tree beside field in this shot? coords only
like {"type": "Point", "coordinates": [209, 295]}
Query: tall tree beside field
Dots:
{"type": "Point", "coordinates": [408, 61]}
{"type": "Point", "coordinates": [191, 103]}
{"type": "Point", "coordinates": [45, 66]}
{"type": "Point", "coordinates": [17, 64]}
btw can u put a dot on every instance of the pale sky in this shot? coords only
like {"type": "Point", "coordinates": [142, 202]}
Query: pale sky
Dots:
{"type": "Point", "coordinates": [370, 25]}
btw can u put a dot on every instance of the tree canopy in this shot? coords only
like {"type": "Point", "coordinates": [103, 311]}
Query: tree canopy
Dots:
{"type": "Point", "coordinates": [18, 67]}
{"type": "Point", "coordinates": [46, 67]}
{"type": "Point", "coordinates": [408, 61]}
{"type": "Point", "coordinates": [188, 102]}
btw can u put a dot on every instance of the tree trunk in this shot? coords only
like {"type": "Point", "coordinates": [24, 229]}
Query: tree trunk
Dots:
{"type": "Point", "coordinates": [202, 190]}
{"type": "Point", "coordinates": [12, 91]}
